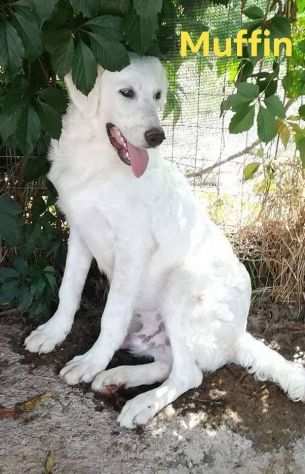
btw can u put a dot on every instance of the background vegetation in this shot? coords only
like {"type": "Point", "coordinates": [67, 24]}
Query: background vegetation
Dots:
{"type": "Point", "coordinates": [41, 41]}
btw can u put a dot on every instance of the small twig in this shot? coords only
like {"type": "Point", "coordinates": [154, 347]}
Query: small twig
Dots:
{"type": "Point", "coordinates": [208, 169]}
{"type": "Point", "coordinates": [248, 149]}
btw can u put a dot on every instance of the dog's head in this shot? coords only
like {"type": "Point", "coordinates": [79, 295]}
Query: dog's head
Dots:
{"type": "Point", "coordinates": [126, 105]}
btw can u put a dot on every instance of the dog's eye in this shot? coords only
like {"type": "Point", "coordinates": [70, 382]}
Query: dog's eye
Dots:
{"type": "Point", "coordinates": [158, 95]}
{"type": "Point", "coordinates": [129, 93]}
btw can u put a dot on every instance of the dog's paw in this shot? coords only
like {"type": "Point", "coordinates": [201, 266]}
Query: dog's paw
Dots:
{"type": "Point", "coordinates": [139, 411]}
{"type": "Point", "coordinates": [46, 337]}
{"type": "Point", "coordinates": [111, 380]}
{"type": "Point", "coordinates": [296, 383]}
{"type": "Point", "coordinates": [82, 368]}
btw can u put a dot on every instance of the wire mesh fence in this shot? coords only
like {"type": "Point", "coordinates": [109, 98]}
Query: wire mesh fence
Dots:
{"type": "Point", "coordinates": [201, 145]}
{"type": "Point", "coordinates": [214, 159]}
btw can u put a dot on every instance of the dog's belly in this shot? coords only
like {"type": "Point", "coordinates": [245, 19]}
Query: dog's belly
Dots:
{"type": "Point", "coordinates": [147, 336]}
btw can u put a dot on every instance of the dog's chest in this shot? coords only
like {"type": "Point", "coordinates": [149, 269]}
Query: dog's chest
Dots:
{"type": "Point", "coordinates": [86, 213]}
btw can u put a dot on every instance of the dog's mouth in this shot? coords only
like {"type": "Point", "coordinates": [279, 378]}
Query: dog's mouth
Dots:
{"type": "Point", "coordinates": [131, 155]}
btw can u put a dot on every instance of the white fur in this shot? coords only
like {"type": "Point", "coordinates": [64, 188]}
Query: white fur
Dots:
{"type": "Point", "coordinates": [177, 291]}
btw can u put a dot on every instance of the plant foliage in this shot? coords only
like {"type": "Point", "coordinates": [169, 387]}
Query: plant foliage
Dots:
{"type": "Point", "coordinates": [267, 86]}
{"type": "Point", "coordinates": [43, 40]}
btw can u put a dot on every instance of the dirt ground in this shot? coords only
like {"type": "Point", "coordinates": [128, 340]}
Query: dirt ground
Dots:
{"type": "Point", "coordinates": [231, 423]}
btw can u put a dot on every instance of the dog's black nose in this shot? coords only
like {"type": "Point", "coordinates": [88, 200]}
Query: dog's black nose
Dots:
{"type": "Point", "coordinates": [154, 136]}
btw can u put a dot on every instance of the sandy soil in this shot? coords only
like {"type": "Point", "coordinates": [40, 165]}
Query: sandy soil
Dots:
{"type": "Point", "coordinates": [230, 424]}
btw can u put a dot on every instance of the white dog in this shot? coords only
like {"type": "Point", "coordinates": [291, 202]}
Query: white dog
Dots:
{"type": "Point", "coordinates": [177, 291]}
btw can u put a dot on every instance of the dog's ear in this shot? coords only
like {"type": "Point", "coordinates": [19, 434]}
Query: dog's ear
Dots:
{"type": "Point", "coordinates": [86, 104]}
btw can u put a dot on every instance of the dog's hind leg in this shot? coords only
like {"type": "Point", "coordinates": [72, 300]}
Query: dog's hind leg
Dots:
{"type": "Point", "coordinates": [267, 364]}
{"type": "Point", "coordinates": [185, 373]}
{"type": "Point", "coordinates": [54, 331]}
{"type": "Point", "coordinates": [146, 337]}
{"type": "Point", "coordinates": [141, 409]}
{"type": "Point", "coordinates": [128, 376]}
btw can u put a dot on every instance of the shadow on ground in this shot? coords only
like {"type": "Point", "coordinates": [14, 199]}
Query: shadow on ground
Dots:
{"type": "Point", "coordinates": [231, 423]}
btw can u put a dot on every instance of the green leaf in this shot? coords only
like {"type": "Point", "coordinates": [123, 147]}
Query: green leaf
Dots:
{"type": "Point", "coordinates": [300, 144]}
{"type": "Point", "coordinates": [236, 102]}
{"type": "Point", "coordinates": [253, 12]}
{"type": "Point", "coordinates": [250, 26]}
{"type": "Point", "coordinates": [146, 8]}
{"type": "Point", "coordinates": [44, 8]}
{"type": "Point", "coordinates": [248, 91]}
{"type": "Point", "coordinates": [242, 120]}
{"type": "Point", "coordinates": [35, 168]}
{"type": "Point", "coordinates": [119, 7]}
{"type": "Point", "coordinates": [52, 104]}
{"type": "Point", "coordinates": [20, 265]}
{"type": "Point", "coordinates": [84, 68]}
{"type": "Point", "coordinates": [294, 83]}
{"type": "Point", "coordinates": [55, 97]}
{"type": "Point", "coordinates": [107, 26]}
{"type": "Point", "coordinates": [10, 229]}
{"type": "Point", "coordinates": [28, 129]}
{"type": "Point", "coordinates": [10, 115]}
{"type": "Point", "coordinates": [280, 27]}
{"type": "Point", "coordinates": [275, 106]}
{"type": "Point", "coordinates": [38, 209]}
{"type": "Point", "coordinates": [50, 119]}
{"type": "Point", "coordinates": [9, 291]}
{"type": "Point", "coordinates": [38, 286]}
{"type": "Point", "coordinates": [302, 111]}
{"type": "Point", "coordinates": [245, 69]}
{"type": "Point", "coordinates": [62, 17]}
{"type": "Point", "coordinates": [11, 51]}
{"type": "Point", "coordinates": [173, 104]}
{"type": "Point", "coordinates": [25, 299]}
{"type": "Point", "coordinates": [140, 31]}
{"type": "Point", "coordinates": [301, 45]}
{"type": "Point", "coordinates": [9, 206]}
{"type": "Point", "coordinates": [271, 88]}
{"type": "Point", "coordinates": [8, 273]}
{"type": "Point", "coordinates": [87, 7]}
{"type": "Point", "coordinates": [8, 123]}
{"type": "Point", "coordinates": [50, 276]}
{"type": "Point", "coordinates": [60, 45]}
{"type": "Point", "coordinates": [301, 6]}
{"type": "Point", "coordinates": [112, 55]}
{"type": "Point", "coordinates": [250, 169]}
{"type": "Point", "coordinates": [10, 220]}
{"type": "Point", "coordinates": [28, 29]}
{"type": "Point", "coordinates": [50, 463]}
{"type": "Point", "coordinates": [266, 125]}
{"type": "Point", "coordinates": [49, 269]}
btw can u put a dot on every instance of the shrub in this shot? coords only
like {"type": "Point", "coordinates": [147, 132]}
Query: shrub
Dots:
{"type": "Point", "coordinates": [42, 40]}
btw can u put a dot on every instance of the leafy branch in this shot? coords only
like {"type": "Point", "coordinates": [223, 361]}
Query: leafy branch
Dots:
{"type": "Point", "coordinates": [41, 41]}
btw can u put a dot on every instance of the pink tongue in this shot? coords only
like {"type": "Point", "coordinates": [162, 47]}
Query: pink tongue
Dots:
{"type": "Point", "coordinates": [138, 158]}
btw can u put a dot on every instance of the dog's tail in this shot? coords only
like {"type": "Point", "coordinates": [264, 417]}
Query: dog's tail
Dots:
{"type": "Point", "coordinates": [267, 364]}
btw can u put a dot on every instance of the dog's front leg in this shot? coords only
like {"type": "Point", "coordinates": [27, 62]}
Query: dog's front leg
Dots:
{"type": "Point", "coordinates": [128, 266]}
{"type": "Point", "coordinates": [54, 331]}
